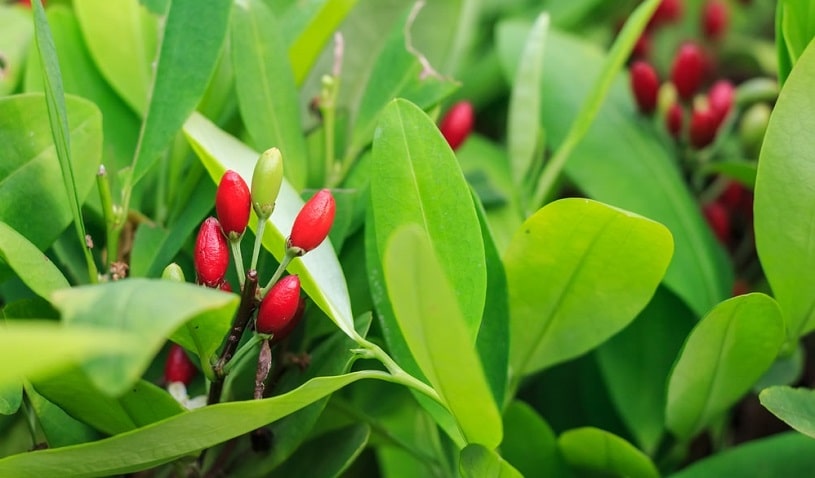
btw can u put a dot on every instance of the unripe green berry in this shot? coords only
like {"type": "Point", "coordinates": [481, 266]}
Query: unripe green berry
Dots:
{"type": "Point", "coordinates": [173, 273]}
{"type": "Point", "coordinates": [752, 127]}
{"type": "Point", "coordinates": [266, 181]}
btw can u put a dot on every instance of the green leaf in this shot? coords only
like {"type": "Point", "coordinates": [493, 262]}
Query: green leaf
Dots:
{"type": "Point", "coordinates": [31, 266]}
{"type": "Point", "coordinates": [786, 171]}
{"type": "Point", "coordinates": [797, 28]}
{"type": "Point", "coordinates": [60, 429]}
{"type": "Point", "coordinates": [111, 28]}
{"type": "Point", "coordinates": [578, 271]}
{"type": "Point", "coordinates": [537, 457]}
{"type": "Point", "coordinates": [593, 450]}
{"type": "Point", "coordinates": [11, 396]}
{"type": "Point", "coordinates": [415, 179]}
{"type": "Point", "coordinates": [795, 406]}
{"type": "Point", "coordinates": [189, 50]}
{"type": "Point", "coordinates": [174, 437]}
{"type": "Point", "coordinates": [785, 454]}
{"type": "Point", "coordinates": [320, 273]}
{"type": "Point", "coordinates": [523, 129]}
{"type": "Point", "coordinates": [478, 461]}
{"type": "Point", "coordinates": [640, 358]}
{"type": "Point", "coordinates": [267, 95]}
{"type": "Point", "coordinates": [725, 354]}
{"type": "Point", "coordinates": [426, 309]}
{"type": "Point", "coordinates": [14, 43]}
{"type": "Point", "coordinates": [329, 454]}
{"type": "Point", "coordinates": [150, 310]}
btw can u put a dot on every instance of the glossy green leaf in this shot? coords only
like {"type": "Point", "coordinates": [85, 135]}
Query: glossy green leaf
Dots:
{"type": "Point", "coordinates": [426, 309]}
{"type": "Point", "coordinates": [33, 200]}
{"type": "Point", "coordinates": [532, 457]}
{"type": "Point", "coordinates": [142, 404]}
{"type": "Point", "coordinates": [415, 179]}
{"type": "Point", "coordinates": [328, 455]}
{"type": "Point", "coordinates": [150, 310]}
{"type": "Point", "coordinates": [578, 271]}
{"type": "Point", "coordinates": [320, 273]}
{"type": "Point", "coordinates": [11, 396]}
{"type": "Point", "coordinates": [31, 266]}
{"type": "Point", "coordinates": [797, 21]}
{"type": "Point", "coordinates": [523, 129]}
{"type": "Point", "coordinates": [725, 354]}
{"type": "Point", "coordinates": [189, 50]}
{"type": "Point", "coordinates": [622, 162]}
{"type": "Point", "coordinates": [111, 28]}
{"type": "Point", "coordinates": [60, 429]}
{"type": "Point", "coordinates": [591, 450]}
{"type": "Point", "coordinates": [795, 406]}
{"type": "Point", "coordinates": [174, 437]}
{"type": "Point", "coordinates": [267, 95]}
{"type": "Point", "coordinates": [785, 454]}
{"type": "Point", "coordinates": [640, 358]}
{"type": "Point", "coordinates": [40, 349]}
{"type": "Point", "coordinates": [786, 171]}
{"type": "Point", "coordinates": [14, 43]}
{"type": "Point", "coordinates": [477, 461]}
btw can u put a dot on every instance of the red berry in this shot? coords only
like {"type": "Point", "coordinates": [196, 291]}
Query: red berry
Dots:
{"type": "Point", "coordinates": [688, 70]}
{"type": "Point", "coordinates": [674, 118]}
{"type": "Point", "coordinates": [733, 195]}
{"type": "Point", "coordinates": [292, 324]}
{"type": "Point", "coordinates": [279, 307]}
{"type": "Point", "coordinates": [645, 85]}
{"type": "Point", "coordinates": [702, 128]}
{"type": "Point", "coordinates": [457, 123]}
{"type": "Point", "coordinates": [720, 98]}
{"type": "Point", "coordinates": [178, 367]}
{"type": "Point", "coordinates": [719, 221]}
{"type": "Point", "coordinates": [714, 19]}
{"type": "Point", "coordinates": [232, 204]}
{"type": "Point", "coordinates": [226, 286]}
{"type": "Point", "coordinates": [313, 222]}
{"type": "Point", "coordinates": [211, 255]}
{"type": "Point", "coordinates": [668, 11]}
{"type": "Point", "coordinates": [642, 48]}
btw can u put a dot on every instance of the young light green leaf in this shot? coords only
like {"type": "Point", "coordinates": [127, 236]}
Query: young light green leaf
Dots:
{"type": "Point", "coordinates": [31, 266]}
{"type": "Point", "coordinates": [786, 172]}
{"type": "Point", "coordinates": [523, 129]}
{"type": "Point", "coordinates": [727, 351]}
{"type": "Point", "coordinates": [598, 451]}
{"type": "Point", "coordinates": [424, 303]}
{"type": "Point", "coordinates": [267, 95]}
{"type": "Point", "coordinates": [192, 37]}
{"type": "Point", "coordinates": [538, 457]}
{"type": "Point", "coordinates": [795, 406]}
{"type": "Point", "coordinates": [578, 271]}
{"type": "Point", "coordinates": [150, 310]}
{"type": "Point", "coordinates": [320, 272]}
{"type": "Point", "coordinates": [14, 43]}
{"type": "Point", "coordinates": [415, 179]}
{"type": "Point", "coordinates": [477, 461]}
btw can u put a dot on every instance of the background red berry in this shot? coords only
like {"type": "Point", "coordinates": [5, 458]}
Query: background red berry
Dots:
{"type": "Point", "coordinates": [702, 128]}
{"type": "Point", "coordinates": [674, 119]}
{"type": "Point", "coordinates": [178, 367]}
{"type": "Point", "coordinates": [457, 123]}
{"type": "Point", "coordinates": [645, 85]}
{"type": "Point", "coordinates": [715, 18]}
{"type": "Point", "coordinates": [720, 98]}
{"type": "Point", "coordinates": [719, 221]}
{"type": "Point", "coordinates": [688, 70]}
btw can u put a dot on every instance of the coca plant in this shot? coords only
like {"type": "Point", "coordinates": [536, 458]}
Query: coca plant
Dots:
{"type": "Point", "coordinates": [564, 287]}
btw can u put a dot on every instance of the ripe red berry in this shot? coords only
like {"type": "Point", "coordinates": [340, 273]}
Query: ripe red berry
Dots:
{"type": "Point", "coordinates": [457, 123]}
{"type": "Point", "coordinates": [668, 11]}
{"type": "Point", "coordinates": [292, 324]}
{"type": "Point", "coordinates": [313, 222]}
{"type": "Point", "coordinates": [688, 70]}
{"type": "Point", "coordinates": [720, 98]}
{"type": "Point", "coordinates": [232, 204]}
{"type": "Point", "coordinates": [674, 118]}
{"type": "Point", "coordinates": [714, 19]}
{"type": "Point", "coordinates": [702, 129]}
{"type": "Point", "coordinates": [211, 254]}
{"type": "Point", "coordinates": [645, 85]}
{"type": "Point", "coordinates": [642, 48]}
{"type": "Point", "coordinates": [719, 221]}
{"type": "Point", "coordinates": [178, 367]}
{"type": "Point", "coordinates": [279, 307]}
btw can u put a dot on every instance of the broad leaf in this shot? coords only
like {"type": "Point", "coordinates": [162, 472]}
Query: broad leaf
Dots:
{"type": "Point", "coordinates": [725, 354]}
{"type": "Point", "coordinates": [532, 457]}
{"type": "Point", "coordinates": [59, 428]}
{"type": "Point", "coordinates": [597, 451]}
{"type": "Point", "coordinates": [31, 266]}
{"type": "Point", "coordinates": [795, 406]}
{"type": "Point", "coordinates": [783, 218]}
{"type": "Point", "coordinates": [578, 272]}
{"type": "Point", "coordinates": [424, 303]}
{"type": "Point", "coordinates": [477, 461]}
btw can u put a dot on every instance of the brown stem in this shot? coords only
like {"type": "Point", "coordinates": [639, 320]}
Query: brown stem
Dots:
{"type": "Point", "coordinates": [264, 365]}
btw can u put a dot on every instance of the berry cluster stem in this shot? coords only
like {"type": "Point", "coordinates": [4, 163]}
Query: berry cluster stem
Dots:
{"type": "Point", "coordinates": [258, 241]}
{"type": "Point", "coordinates": [287, 258]}
{"type": "Point", "coordinates": [238, 256]}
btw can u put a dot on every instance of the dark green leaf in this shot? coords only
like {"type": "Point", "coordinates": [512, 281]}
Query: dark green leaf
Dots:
{"type": "Point", "coordinates": [328, 455]}
{"type": "Point", "coordinates": [591, 450]}
{"type": "Point", "coordinates": [60, 429]}
{"type": "Point", "coordinates": [532, 457]}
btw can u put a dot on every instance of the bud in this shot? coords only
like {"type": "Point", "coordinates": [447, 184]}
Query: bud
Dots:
{"type": "Point", "coordinates": [232, 204]}
{"type": "Point", "coordinates": [279, 306]}
{"type": "Point", "coordinates": [674, 118]}
{"type": "Point", "coordinates": [702, 129]}
{"type": "Point", "coordinates": [173, 273]}
{"type": "Point", "coordinates": [178, 367]}
{"type": "Point", "coordinates": [714, 19]}
{"type": "Point", "coordinates": [313, 222]}
{"type": "Point", "coordinates": [457, 123]}
{"type": "Point", "coordinates": [645, 85]}
{"type": "Point", "coordinates": [720, 98]}
{"type": "Point", "coordinates": [719, 221]}
{"type": "Point", "coordinates": [688, 70]}
{"type": "Point", "coordinates": [266, 181]}
{"type": "Point", "coordinates": [211, 254]}
{"type": "Point", "coordinates": [752, 128]}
